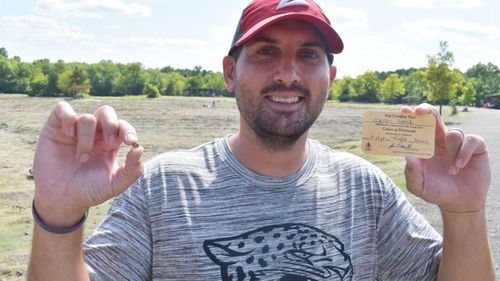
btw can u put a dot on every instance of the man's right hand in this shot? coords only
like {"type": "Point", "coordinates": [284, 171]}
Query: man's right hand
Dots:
{"type": "Point", "coordinates": [75, 165]}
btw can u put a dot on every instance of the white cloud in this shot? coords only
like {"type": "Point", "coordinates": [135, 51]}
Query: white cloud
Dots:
{"type": "Point", "coordinates": [33, 37]}
{"type": "Point", "coordinates": [39, 29]}
{"type": "Point", "coordinates": [460, 4]}
{"type": "Point", "coordinates": [370, 52]}
{"type": "Point", "coordinates": [470, 42]}
{"type": "Point", "coordinates": [223, 33]}
{"type": "Point", "coordinates": [157, 1]}
{"type": "Point", "coordinates": [157, 51]}
{"type": "Point", "coordinates": [415, 3]}
{"type": "Point", "coordinates": [345, 17]}
{"type": "Point", "coordinates": [89, 8]}
{"type": "Point", "coordinates": [113, 27]}
{"type": "Point", "coordinates": [464, 4]}
{"type": "Point", "coordinates": [446, 28]}
{"type": "Point", "coordinates": [155, 42]}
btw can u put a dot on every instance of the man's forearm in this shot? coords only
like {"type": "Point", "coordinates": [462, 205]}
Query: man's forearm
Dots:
{"type": "Point", "coordinates": [56, 256]}
{"type": "Point", "coordinates": [466, 248]}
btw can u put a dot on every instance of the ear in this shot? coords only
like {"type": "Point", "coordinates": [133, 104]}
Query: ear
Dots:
{"type": "Point", "coordinates": [333, 73]}
{"type": "Point", "coordinates": [228, 65]}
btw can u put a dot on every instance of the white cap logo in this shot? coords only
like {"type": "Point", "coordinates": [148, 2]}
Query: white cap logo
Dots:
{"type": "Point", "coordinates": [289, 3]}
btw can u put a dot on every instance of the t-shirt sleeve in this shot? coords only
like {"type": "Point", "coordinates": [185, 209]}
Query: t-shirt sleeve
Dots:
{"type": "Point", "coordinates": [408, 247]}
{"type": "Point", "coordinates": [120, 248]}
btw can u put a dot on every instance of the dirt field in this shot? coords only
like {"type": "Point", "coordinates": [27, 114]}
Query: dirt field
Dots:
{"type": "Point", "coordinates": [164, 124]}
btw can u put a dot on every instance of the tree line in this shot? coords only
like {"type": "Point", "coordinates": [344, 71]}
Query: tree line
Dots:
{"type": "Point", "coordinates": [437, 83]}
{"type": "Point", "coordinates": [105, 78]}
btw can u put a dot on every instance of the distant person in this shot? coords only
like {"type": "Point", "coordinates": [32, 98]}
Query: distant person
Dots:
{"type": "Point", "coordinates": [265, 203]}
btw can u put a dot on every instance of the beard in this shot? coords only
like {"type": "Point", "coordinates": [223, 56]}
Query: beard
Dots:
{"type": "Point", "coordinates": [278, 130]}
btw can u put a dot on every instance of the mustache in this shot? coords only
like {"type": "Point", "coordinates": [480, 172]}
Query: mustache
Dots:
{"type": "Point", "coordinates": [294, 87]}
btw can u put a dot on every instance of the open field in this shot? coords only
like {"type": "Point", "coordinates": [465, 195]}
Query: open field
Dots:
{"type": "Point", "coordinates": [162, 124]}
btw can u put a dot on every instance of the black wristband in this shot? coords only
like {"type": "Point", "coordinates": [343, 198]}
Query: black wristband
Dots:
{"type": "Point", "coordinates": [53, 229]}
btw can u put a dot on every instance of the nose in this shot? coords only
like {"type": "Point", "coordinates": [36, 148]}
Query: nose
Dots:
{"type": "Point", "coordinates": [287, 71]}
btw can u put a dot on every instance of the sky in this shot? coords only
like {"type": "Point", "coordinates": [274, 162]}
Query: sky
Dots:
{"type": "Point", "coordinates": [379, 35]}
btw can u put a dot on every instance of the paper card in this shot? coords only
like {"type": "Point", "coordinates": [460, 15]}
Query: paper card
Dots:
{"type": "Point", "coordinates": [398, 134]}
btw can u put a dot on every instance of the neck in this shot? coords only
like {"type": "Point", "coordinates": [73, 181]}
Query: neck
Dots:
{"type": "Point", "coordinates": [268, 160]}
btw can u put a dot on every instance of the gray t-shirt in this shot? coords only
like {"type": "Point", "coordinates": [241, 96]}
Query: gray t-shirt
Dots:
{"type": "Point", "coordinates": [200, 214]}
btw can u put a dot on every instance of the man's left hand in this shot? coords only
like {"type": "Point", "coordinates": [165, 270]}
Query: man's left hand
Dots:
{"type": "Point", "coordinates": [458, 176]}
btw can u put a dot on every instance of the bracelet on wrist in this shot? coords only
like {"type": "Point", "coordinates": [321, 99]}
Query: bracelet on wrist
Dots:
{"type": "Point", "coordinates": [464, 213]}
{"type": "Point", "coordinates": [53, 229]}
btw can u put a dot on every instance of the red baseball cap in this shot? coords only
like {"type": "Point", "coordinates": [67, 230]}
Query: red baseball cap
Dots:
{"type": "Point", "coordinates": [260, 14]}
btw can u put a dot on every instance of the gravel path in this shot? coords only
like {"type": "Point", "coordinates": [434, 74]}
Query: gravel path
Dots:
{"type": "Point", "coordinates": [484, 122]}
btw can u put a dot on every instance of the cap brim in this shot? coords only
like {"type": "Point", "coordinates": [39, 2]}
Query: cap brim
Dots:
{"type": "Point", "coordinates": [332, 39]}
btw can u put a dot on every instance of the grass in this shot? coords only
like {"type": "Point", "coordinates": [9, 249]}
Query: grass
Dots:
{"type": "Point", "coordinates": [392, 166]}
{"type": "Point", "coordinates": [163, 124]}
{"type": "Point", "coordinates": [15, 234]}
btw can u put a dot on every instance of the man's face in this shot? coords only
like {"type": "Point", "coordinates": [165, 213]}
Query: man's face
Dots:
{"type": "Point", "coordinates": [281, 79]}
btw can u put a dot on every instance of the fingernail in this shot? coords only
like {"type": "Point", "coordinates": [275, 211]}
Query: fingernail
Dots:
{"type": "Point", "coordinates": [84, 158]}
{"type": "Point", "coordinates": [459, 164]}
{"type": "Point", "coordinates": [131, 137]}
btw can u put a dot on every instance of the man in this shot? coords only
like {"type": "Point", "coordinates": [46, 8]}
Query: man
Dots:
{"type": "Point", "coordinates": [266, 203]}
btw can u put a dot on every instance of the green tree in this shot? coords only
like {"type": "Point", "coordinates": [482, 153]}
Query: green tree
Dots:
{"type": "Point", "coordinates": [170, 89]}
{"type": "Point", "coordinates": [442, 82]}
{"type": "Point", "coordinates": [393, 89]}
{"type": "Point", "coordinates": [3, 52]}
{"type": "Point", "coordinates": [487, 77]}
{"type": "Point", "coordinates": [38, 83]}
{"type": "Point", "coordinates": [469, 92]}
{"type": "Point", "coordinates": [366, 88]}
{"type": "Point", "coordinates": [8, 75]}
{"type": "Point", "coordinates": [131, 80]}
{"type": "Point", "coordinates": [102, 77]}
{"type": "Point", "coordinates": [167, 69]}
{"type": "Point", "coordinates": [52, 73]}
{"type": "Point", "coordinates": [156, 78]}
{"type": "Point", "coordinates": [195, 82]}
{"type": "Point", "coordinates": [24, 75]}
{"type": "Point", "coordinates": [216, 81]}
{"type": "Point", "coordinates": [175, 84]}
{"type": "Point", "coordinates": [14, 75]}
{"type": "Point", "coordinates": [74, 80]}
{"type": "Point", "coordinates": [342, 89]}
{"type": "Point", "coordinates": [151, 91]}
{"type": "Point", "coordinates": [43, 64]}
{"type": "Point", "coordinates": [415, 86]}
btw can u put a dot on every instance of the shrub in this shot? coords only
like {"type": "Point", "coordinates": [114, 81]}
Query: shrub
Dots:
{"type": "Point", "coordinates": [151, 91]}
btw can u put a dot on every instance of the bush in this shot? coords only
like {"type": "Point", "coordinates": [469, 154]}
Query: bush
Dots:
{"type": "Point", "coordinates": [151, 91]}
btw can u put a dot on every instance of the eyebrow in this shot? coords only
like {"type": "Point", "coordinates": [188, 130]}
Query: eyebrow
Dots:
{"type": "Point", "coordinates": [317, 44]}
{"type": "Point", "coordinates": [264, 39]}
